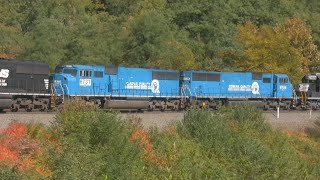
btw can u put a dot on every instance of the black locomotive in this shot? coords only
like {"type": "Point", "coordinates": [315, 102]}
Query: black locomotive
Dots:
{"type": "Point", "coordinates": [308, 91]}
{"type": "Point", "coordinates": [24, 84]}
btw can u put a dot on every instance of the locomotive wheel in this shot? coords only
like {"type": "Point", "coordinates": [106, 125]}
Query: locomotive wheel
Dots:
{"type": "Point", "coordinates": [43, 107]}
{"type": "Point", "coordinates": [152, 105]}
{"type": "Point", "coordinates": [199, 105]}
{"type": "Point", "coordinates": [163, 106]}
{"type": "Point", "coordinates": [286, 107]}
{"type": "Point", "coordinates": [175, 106]}
{"type": "Point", "coordinates": [30, 107]}
{"type": "Point", "coordinates": [218, 105]}
{"type": "Point", "coordinates": [14, 108]}
{"type": "Point", "coordinates": [266, 107]}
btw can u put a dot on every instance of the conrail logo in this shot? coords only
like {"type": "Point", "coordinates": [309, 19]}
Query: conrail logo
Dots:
{"type": "Point", "coordinates": [4, 73]}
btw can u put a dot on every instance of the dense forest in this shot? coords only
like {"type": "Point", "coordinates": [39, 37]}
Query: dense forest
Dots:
{"type": "Point", "coordinates": [227, 35]}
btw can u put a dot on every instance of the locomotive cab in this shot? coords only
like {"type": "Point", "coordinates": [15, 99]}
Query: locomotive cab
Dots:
{"type": "Point", "coordinates": [63, 78]}
{"type": "Point", "coordinates": [310, 85]}
{"type": "Point", "coordinates": [309, 91]}
{"type": "Point", "coordinates": [80, 80]}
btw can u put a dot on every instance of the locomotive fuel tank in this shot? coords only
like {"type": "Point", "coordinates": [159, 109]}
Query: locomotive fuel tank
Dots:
{"type": "Point", "coordinates": [5, 101]}
{"type": "Point", "coordinates": [126, 104]}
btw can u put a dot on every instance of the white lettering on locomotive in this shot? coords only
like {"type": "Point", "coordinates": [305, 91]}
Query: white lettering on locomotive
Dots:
{"type": "Point", "coordinates": [57, 82]}
{"type": "Point", "coordinates": [4, 73]}
{"type": "Point", "coordinates": [85, 82]}
{"type": "Point", "coordinates": [239, 88]}
{"type": "Point", "coordinates": [154, 86]}
{"type": "Point", "coordinates": [283, 88]}
{"type": "Point", "coordinates": [3, 82]}
{"type": "Point", "coordinates": [254, 88]}
{"type": "Point", "coordinates": [46, 83]}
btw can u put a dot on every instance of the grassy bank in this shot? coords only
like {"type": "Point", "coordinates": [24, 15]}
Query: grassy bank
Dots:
{"type": "Point", "coordinates": [232, 143]}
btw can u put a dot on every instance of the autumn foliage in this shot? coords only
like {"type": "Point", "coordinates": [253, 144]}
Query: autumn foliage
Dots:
{"type": "Point", "coordinates": [145, 143]}
{"type": "Point", "coordinates": [285, 48]}
{"type": "Point", "coordinates": [20, 151]}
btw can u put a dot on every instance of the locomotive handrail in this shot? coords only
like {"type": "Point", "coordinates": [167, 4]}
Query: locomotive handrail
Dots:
{"type": "Point", "coordinates": [195, 93]}
{"type": "Point", "coordinates": [67, 88]}
{"type": "Point", "coordinates": [62, 91]}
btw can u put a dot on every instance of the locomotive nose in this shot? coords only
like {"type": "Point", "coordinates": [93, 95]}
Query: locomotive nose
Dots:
{"type": "Point", "coordinates": [303, 87]}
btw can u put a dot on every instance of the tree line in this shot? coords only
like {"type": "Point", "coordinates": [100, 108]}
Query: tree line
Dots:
{"type": "Point", "coordinates": [280, 36]}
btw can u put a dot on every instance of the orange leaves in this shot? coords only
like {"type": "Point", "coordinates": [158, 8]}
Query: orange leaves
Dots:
{"type": "Point", "coordinates": [7, 56]}
{"type": "Point", "coordinates": [145, 143]}
{"type": "Point", "coordinates": [9, 144]}
{"type": "Point", "coordinates": [18, 149]}
{"type": "Point", "coordinates": [16, 131]}
{"type": "Point", "coordinates": [7, 154]}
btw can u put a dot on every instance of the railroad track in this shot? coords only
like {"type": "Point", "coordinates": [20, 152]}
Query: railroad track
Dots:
{"type": "Point", "coordinates": [22, 111]}
{"type": "Point", "coordinates": [288, 120]}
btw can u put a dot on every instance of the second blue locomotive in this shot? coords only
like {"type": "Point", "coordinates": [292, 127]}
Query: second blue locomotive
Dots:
{"type": "Point", "coordinates": [140, 88]}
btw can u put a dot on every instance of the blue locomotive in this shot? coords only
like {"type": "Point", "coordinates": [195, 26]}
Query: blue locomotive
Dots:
{"type": "Point", "coordinates": [119, 87]}
{"type": "Point", "coordinates": [214, 89]}
{"type": "Point", "coordinates": [141, 88]}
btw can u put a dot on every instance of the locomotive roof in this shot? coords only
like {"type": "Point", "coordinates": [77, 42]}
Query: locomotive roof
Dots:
{"type": "Point", "coordinates": [111, 66]}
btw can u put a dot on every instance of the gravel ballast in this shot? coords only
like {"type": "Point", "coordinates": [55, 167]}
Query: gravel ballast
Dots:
{"type": "Point", "coordinates": [291, 121]}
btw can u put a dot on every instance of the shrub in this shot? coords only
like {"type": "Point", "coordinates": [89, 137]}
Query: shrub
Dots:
{"type": "Point", "coordinates": [8, 173]}
{"type": "Point", "coordinates": [95, 144]}
{"type": "Point", "coordinates": [315, 131]}
{"type": "Point", "coordinates": [185, 158]}
{"type": "Point", "coordinates": [246, 143]}
{"type": "Point", "coordinates": [22, 152]}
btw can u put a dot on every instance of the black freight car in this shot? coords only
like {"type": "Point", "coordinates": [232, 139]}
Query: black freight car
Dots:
{"type": "Point", "coordinates": [24, 84]}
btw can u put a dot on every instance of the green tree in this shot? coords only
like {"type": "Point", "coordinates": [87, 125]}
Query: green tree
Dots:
{"type": "Point", "coordinates": [49, 39]}
{"type": "Point", "coordinates": [12, 42]}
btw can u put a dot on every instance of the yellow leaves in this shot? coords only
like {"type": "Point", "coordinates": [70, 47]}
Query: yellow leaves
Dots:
{"type": "Point", "coordinates": [263, 48]}
{"type": "Point", "coordinates": [178, 56]}
{"type": "Point", "coordinates": [184, 58]}
{"type": "Point", "coordinates": [286, 48]}
{"type": "Point", "coordinates": [297, 31]}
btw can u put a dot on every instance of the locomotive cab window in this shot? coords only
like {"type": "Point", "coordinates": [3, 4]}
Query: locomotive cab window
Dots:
{"type": "Point", "coordinates": [72, 72]}
{"type": "Point", "coordinates": [58, 70]}
{"type": "Point", "coordinates": [284, 80]}
{"type": "Point", "coordinates": [98, 74]}
{"type": "Point", "coordinates": [85, 73]}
